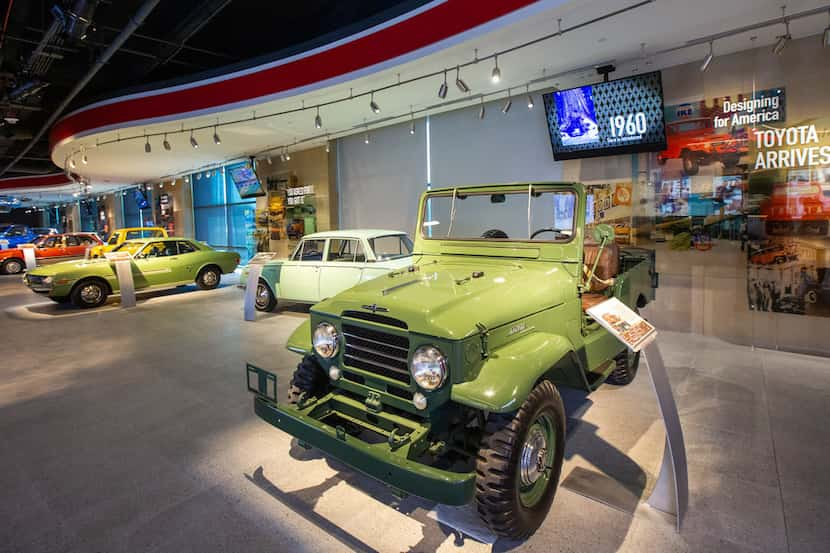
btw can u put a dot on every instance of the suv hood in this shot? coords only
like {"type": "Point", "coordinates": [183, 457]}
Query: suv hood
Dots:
{"type": "Point", "coordinates": [443, 298]}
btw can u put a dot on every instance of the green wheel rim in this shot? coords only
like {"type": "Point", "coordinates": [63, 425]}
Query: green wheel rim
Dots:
{"type": "Point", "coordinates": [536, 460]}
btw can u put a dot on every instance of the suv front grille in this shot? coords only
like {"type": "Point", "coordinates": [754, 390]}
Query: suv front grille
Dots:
{"type": "Point", "coordinates": [376, 352]}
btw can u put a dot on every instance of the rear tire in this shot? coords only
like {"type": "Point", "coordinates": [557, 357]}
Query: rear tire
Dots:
{"type": "Point", "coordinates": [519, 462]}
{"type": "Point", "coordinates": [626, 369]}
{"type": "Point", "coordinates": [88, 294]}
{"type": "Point", "coordinates": [208, 278]}
{"type": "Point", "coordinates": [265, 300]}
{"type": "Point", "coordinates": [13, 266]}
{"type": "Point", "coordinates": [308, 379]}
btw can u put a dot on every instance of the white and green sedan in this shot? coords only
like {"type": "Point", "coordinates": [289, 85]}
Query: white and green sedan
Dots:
{"type": "Point", "coordinates": [326, 263]}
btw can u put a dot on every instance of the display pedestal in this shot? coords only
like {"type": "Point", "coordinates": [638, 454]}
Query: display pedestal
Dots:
{"type": "Point", "coordinates": [124, 272]}
{"type": "Point", "coordinates": [4, 244]}
{"type": "Point", "coordinates": [254, 272]}
{"type": "Point", "coordinates": [29, 255]}
{"type": "Point", "coordinates": [671, 492]}
{"type": "Point", "coordinates": [255, 266]}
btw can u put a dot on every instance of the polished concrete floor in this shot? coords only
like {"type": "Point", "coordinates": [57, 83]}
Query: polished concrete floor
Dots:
{"type": "Point", "coordinates": [131, 430]}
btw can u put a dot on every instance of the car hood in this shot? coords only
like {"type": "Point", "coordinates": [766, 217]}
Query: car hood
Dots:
{"type": "Point", "coordinates": [64, 267]}
{"type": "Point", "coordinates": [443, 298]}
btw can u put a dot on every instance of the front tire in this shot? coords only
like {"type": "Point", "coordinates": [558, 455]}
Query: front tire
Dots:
{"type": "Point", "coordinates": [265, 299]}
{"type": "Point", "coordinates": [12, 266]}
{"type": "Point", "coordinates": [519, 462]}
{"type": "Point", "coordinates": [208, 278]}
{"type": "Point", "coordinates": [88, 294]}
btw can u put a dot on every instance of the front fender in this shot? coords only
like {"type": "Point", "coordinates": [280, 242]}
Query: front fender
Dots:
{"type": "Point", "coordinates": [509, 374]}
{"type": "Point", "coordinates": [300, 339]}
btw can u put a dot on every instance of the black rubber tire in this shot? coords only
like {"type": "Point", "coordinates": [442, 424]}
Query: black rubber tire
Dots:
{"type": "Point", "coordinates": [13, 266]}
{"type": "Point", "coordinates": [271, 302]}
{"type": "Point", "coordinates": [205, 281]}
{"type": "Point", "coordinates": [77, 294]}
{"type": "Point", "coordinates": [497, 466]}
{"type": "Point", "coordinates": [309, 378]}
{"type": "Point", "coordinates": [730, 160]}
{"type": "Point", "coordinates": [691, 165]}
{"type": "Point", "coordinates": [626, 369]}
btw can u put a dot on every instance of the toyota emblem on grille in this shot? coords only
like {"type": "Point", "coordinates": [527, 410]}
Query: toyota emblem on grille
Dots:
{"type": "Point", "coordinates": [374, 308]}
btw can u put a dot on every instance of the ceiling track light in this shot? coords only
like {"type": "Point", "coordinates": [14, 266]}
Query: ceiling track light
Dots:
{"type": "Point", "coordinates": [268, 159]}
{"type": "Point", "coordinates": [442, 90]}
{"type": "Point", "coordinates": [84, 159]}
{"type": "Point", "coordinates": [147, 147]}
{"type": "Point", "coordinates": [372, 104]}
{"type": "Point", "coordinates": [193, 140]}
{"type": "Point", "coordinates": [166, 143]}
{"type": "Point", "coordinates": [786, 37]}
{"type": "Point", "coordinates": [72, 163]}
{"type": "Point", "coordinates": [366, 138]}
{"type": "Point", "coordinates": [411, 121]}
{"type": "Point", "coordinates": [708, 59]}
{"type": "Point", "coordinates": [318, 121]}
{"type": "Point", "coordinates": [459, 82]}
{"type": "Point", "coordinates": [529, 97]}
{"type": "Point", "coordinates": [216, 139]}
{"type": "Point", "coordinates": [328, 146]}
{"type": "Point", "coordinates": [508, 104]}
{"type": "Point", "coordinates": [481, 109]}
{"type": "Point", "coordinates": [495, 76]}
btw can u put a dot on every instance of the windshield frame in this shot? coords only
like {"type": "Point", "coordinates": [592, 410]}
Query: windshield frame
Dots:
{"type": "Point", "coordinates": [525, 190]}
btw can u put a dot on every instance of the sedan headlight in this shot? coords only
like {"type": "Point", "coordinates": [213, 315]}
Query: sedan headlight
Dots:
{"type": "Point", "coordinates": [47, 280]}
{"type": "Point", "coordinates": [429, 367]}
{"type": "Point", "coordinates": [325, 340]}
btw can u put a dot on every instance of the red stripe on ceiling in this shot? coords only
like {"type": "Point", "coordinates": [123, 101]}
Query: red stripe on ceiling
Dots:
{"type": "Point", "coordinates": [55, 179]}
{"type": "Point", "coordinates": [439, 23]}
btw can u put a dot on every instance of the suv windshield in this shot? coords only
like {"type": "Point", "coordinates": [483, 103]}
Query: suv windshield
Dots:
{"type": "Point", "coordinates": [515, 215]}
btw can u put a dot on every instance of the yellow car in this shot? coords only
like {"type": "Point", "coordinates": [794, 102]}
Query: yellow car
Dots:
{"type": "Point", "coordinates": [121, 235]}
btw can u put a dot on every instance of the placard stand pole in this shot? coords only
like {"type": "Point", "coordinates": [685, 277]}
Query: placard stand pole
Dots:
{"type": "Point", "coordinates": [29, 256]}
{"type": "Point", "coordinates": [124, 272]}
{"type": "Point", "coordinates": [254, 272]}
{"type": "Point", "coordinates": [671, 492]}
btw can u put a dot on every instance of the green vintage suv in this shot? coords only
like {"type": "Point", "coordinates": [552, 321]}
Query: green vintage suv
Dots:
{"type": "Point", "coordinates": [440, 379]}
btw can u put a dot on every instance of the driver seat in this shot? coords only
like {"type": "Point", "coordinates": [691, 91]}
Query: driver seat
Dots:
{"type": "Point", "coordinates": [608, 267]}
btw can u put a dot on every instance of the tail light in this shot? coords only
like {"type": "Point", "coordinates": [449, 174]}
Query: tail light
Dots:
{"type": "Point", "coordinates": [237, 259]}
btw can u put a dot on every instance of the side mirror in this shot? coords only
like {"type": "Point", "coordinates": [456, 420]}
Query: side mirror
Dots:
{"type": "Point", "coordinates": [497, 198]}
{"type": "Point", "coordinates": [603, 232]}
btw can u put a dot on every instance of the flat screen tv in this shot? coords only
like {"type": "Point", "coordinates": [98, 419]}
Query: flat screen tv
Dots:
{"type": "Point", "coordinates": [622, 116]}
{"type": "Point", "coordinates": [140, 199]}
{"type": "Point", "coordinates": [245, 179]}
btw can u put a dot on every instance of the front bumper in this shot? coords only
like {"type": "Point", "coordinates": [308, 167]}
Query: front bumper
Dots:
{"type": "Point", "coordinates": [388, 461]}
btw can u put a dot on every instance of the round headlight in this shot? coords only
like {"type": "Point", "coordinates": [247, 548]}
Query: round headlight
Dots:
{"type": "Point", "coordinates": [429, 367]}
{"type": "Point", "coordinates": [325, 340]}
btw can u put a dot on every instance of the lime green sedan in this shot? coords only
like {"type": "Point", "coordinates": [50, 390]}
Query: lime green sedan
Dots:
{"type": "Point", "coordinates": [156, 263]}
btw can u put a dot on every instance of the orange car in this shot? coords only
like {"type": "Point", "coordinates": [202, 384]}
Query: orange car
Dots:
{"type": "Point", "coordinates": [797, 208]}
{"type": "Point", "coordinates": [53, 247]}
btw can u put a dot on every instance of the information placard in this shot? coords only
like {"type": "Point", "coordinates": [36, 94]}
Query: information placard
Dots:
{"type": "Point", "coordinates": [621, 321]}
{"type": "Point", "coordinates": [29, 255]}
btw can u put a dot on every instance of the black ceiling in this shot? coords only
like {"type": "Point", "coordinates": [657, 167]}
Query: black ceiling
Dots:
{"type": "Point", "coordinates": [178, 40]}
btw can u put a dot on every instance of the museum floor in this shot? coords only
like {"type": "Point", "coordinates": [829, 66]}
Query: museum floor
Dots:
{"type": "Point", "coordinates": [132, 431]}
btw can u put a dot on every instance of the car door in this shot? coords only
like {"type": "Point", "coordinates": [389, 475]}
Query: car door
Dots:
{"type": "Point", "coordinates": [300, 276]}
{"type": "Point", "coordinates": [188, 261]}
{"type": "Point", "coordinates": [73, 246]}
{"type": "Point", "coordinates": [154, 264]}
{"type": "Point", "coordinates": [345, 259]}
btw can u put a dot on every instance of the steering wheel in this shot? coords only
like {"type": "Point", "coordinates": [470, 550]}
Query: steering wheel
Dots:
{"type": "Point", "coordinates": [541, 230]}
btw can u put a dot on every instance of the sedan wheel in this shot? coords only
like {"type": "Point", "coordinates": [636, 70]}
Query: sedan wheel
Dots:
{"type": "Point", "coordinates": [209, 278]}
{"type": "Point", "coordinates": [12, 267]}
{"type": "Point", "coordinates": [89, 294]}
{"type": "Point", "coordinates": [265, 300]}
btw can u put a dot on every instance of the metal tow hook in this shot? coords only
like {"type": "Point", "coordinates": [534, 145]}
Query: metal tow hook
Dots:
{"type": "Point", "coordinates": [396, 441]}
